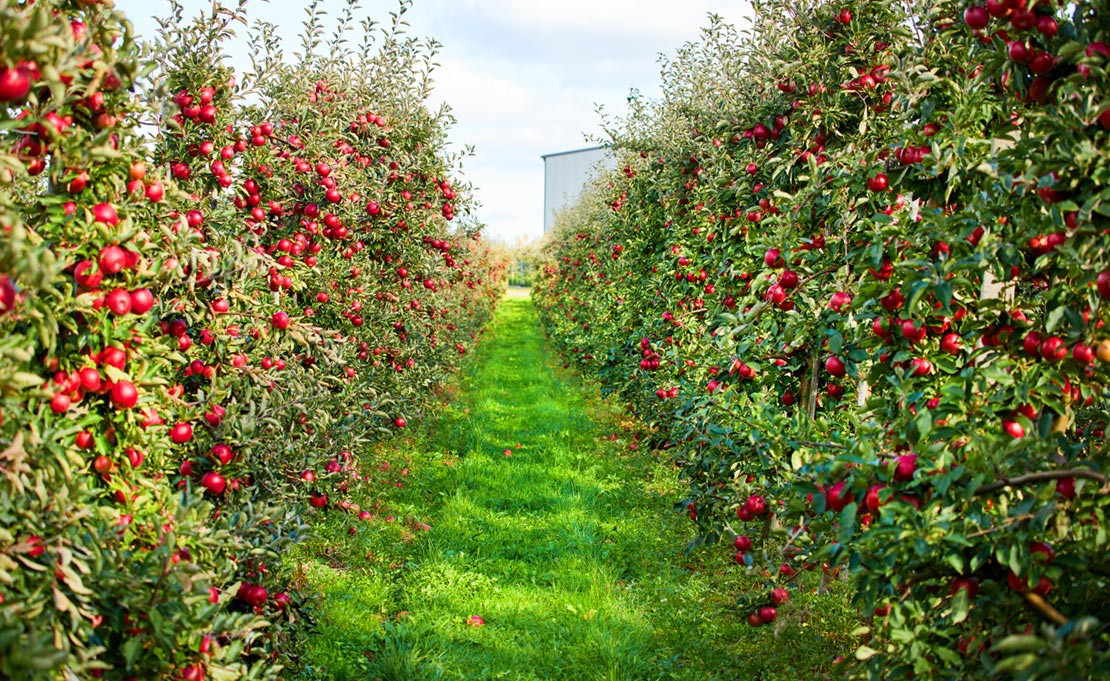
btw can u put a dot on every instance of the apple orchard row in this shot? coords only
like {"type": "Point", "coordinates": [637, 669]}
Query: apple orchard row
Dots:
{"type": "Point", "coordinates": [854, 271]}
{"type": "Point", "coordinates": [213, 296]}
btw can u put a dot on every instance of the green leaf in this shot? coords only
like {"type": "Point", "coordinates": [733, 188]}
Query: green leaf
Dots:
{"type": "Point", "coordinates": [924, 423]}
{"type": "Point", "coordinates": [865, 653]}
{"type": "Point", "coordinates": [847, 523]}
{"type": "Point", "coordinates": [1054, 318]}
{"type": "Point", "coordinates": [1018, 643]}
{"type": "Point", "coordinates": [961, 604]}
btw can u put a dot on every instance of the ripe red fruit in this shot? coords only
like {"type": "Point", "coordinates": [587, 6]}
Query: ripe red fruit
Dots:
{"type": "Point", "coordinates": [1046, 25]}
{"type": "Point", "coordinates": [836, 498]}
{"type": "Point", "coordinates": [772, 258]}
{"type": "Point", "coordinates": [969, 584]}
{"type": "Point", "coordinates": [880, 327]}
{"type": "Point", "coordinates": [400, 422]}
{"type": "Point", "coordinates": [134, 457]}
{"type": "Point", "coordinates": [60, 403]}
{"type": "Point", "coordinates": [155, 192]}
{"type": "Point", "coordinates": [15, 83]}
{"type": "Point", "coordinates": [878, 183]}
{"type": "Point", "coordinates": [920, 366]}
{"type": "Point", "coordinates": [1082, 353]}
{"type": "Point", "coordinates": [142, 300]}
{"type": "Point", "coordinates": [835, 366]}
{"type": "Point", "coordinates": [753, 619]}
{"type": "Point", "coordinates": [976, 17]}
{"type": "Point", "coordinates": [951, 343]}
{"type": "Point", "coordinates": [7, 294]}
{"type": "Point", "coordinates": [1065, 487]}
{"type": "Point", "coordinates": [767, 614]}
{"type": "Point", "coordinates": [213, 482]}
{"type": "Point", "coordinates": [780, 596]}
{"type": "Point", "coordinates": [1013, 429]}
{"type": "Point", "coordinates": [191, 672]}
{"type": "Point", "coordinates": [756, 505]}
{"type": "Point", "coordinates": [1031, 344]}
{"type": "Point", "coordinates": [839, 300]}
{"type": "Point", "coordinates": [90, 379]}
{"type": "Point", "coordinates": [252, 594]}
{"type": "Point", "coordinates": [118, 301]}
{"type": "Point", "coordinates": [905, 467]}
{"type": "Point", "coordinates": [318, 500]}
{"type": "Point", "coordinates": [742, 543]}
{"type": "Point", "coordinates": [124, 395]}
{"type": "Point", "coordinates": [1103, 281]}
{"type": "Point", "coordinates": [844, 16]}
{"type": "Point", "coordinates": [222, 453]}
{"type": "Point", "coordinates": [872, 500]}
{"type": "Point", "coordinates": [1018, 51]}
{"type": "Point", "coordinates": [911, 332]}
{"type": "Point", "coordinates": [280, 320]}
{"type": "Point", "coordinates": [181, 433]}
{"type": "Point", "coordinates": [112, 259]}
{"type": "Point", "coordinates": [1053, 349]}
{"type": "Point", "coordinates": [1042, 549]}
{"type": "Point", "coordinates": [106, 213]}
{"type": "Point", "coordinates": [740, 558]}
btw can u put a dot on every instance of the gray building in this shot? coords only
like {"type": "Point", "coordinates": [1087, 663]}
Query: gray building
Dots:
{"type": "Point", "coordinates": [565, 175]}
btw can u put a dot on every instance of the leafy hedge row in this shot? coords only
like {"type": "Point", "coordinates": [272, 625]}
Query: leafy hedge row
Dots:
{"type": "Point", "coordinates": [212, 296]}
{"type": "Point", "coordinates": [855, 269]}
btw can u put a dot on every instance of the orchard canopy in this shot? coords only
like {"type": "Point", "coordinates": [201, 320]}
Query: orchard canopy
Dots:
{"type": "Point", "coordinates": [851, 276]}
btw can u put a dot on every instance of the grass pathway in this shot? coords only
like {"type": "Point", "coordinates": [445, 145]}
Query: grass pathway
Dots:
{"type": "Point", "coordinates": [524, 504]}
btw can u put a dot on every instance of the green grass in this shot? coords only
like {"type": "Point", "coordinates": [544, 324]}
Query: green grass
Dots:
{"type": "Point", "coordinates": [568, 549]}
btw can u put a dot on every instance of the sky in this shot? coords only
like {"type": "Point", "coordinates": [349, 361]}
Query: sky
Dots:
{"type": "Point", "coordinates": [523, 77]}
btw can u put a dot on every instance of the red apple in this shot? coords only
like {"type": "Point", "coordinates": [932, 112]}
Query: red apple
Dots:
{"type": "Point", "coordinates": [905, 467]}
{"type": "Point", "coordinates": [124, 395]}
{"type": "Point", "coordinates": [878, 182]}
{"type": "Point", "coordinates": [106, 213]}
{"type": "Point", "coordinates": [7, 294]}
{"type": "Point", "coordinates": [1013, 429]}
{"type": "Point", "coordinates": [976, 17]}
{"type": "Point", "coordinates": [142, 300]}
{"type": "Point", "coordinates": [951, 343]}
{"type": "Point", "coordinates": [835, 366]}
{"type": "Point", "coordinates": [213, 482]}
{"type": "Point", "coordinates": [872, 500]}
{"type": "Point", "coordinates": [181, 433]}
{"type": "Point", "coordinates": [756, 505]}
{"type": "Point", "coordinates": [836, 498]}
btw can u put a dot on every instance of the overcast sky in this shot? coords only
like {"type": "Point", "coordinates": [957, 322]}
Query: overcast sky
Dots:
{"type": "Point", "coordinates": [522, 76]}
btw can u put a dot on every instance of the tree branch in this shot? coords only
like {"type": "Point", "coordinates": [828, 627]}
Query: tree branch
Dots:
{"type": "Point", "coordinates": [1046, 608]}
{"type": "Point", "coordinates": [1041, 477]}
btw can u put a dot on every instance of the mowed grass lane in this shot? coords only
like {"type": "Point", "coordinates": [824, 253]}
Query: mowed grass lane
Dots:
{"type": "Point", "coordinates": [521, 505]}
